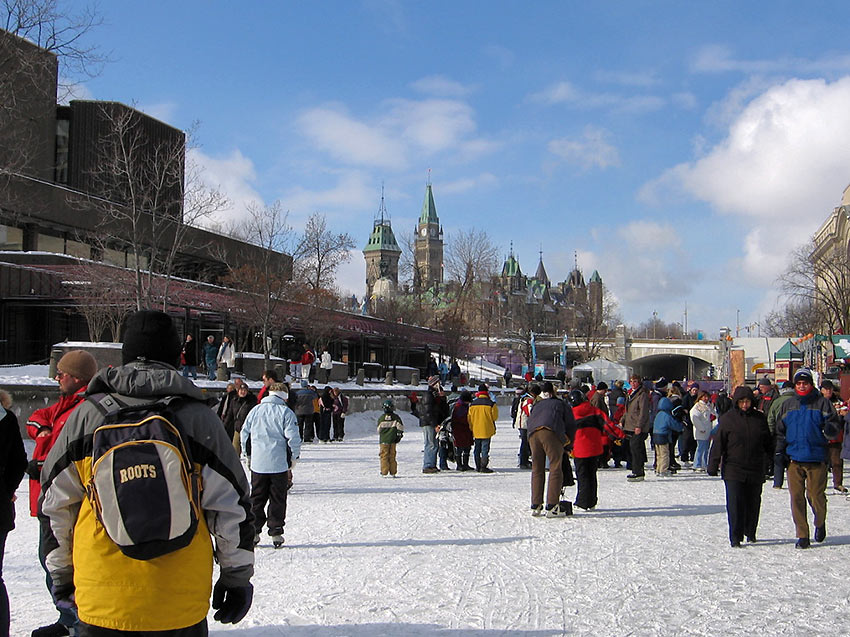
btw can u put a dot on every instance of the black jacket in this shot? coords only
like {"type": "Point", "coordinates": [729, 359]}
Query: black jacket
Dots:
{"type": "Point", "coordinates": [432, 409]}
{"type": "Point", "coordinates": [13, 462]}
{"type": "Point", "coordinates": [237, 412]}
{"type": "Point", "coordinates": [742, 443]}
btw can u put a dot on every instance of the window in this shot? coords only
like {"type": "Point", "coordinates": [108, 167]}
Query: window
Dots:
{"type": "Point", "coordinates": [11, 238]}
{"type": "Point", "coordinates": [49, 243]}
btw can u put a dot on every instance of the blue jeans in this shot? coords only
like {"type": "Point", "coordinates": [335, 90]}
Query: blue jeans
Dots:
{"type": "Point", "coordinates": [701, 457]}
{"type": "Point", "coordinates": [481, 453]}
{"type": "Point", "coordinates": [429, 460]}
{"type": "Point", "coordinates": [190, 369]}
{"type": "Point", "coordinates": [211, 369]}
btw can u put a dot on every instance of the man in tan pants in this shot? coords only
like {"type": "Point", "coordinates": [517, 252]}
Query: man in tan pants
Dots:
{"type": "Point", "coordinates": [806, 421]}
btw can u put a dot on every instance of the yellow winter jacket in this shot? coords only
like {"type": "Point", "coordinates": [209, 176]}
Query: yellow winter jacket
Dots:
{"type": "Point", "coordinates": [167, 592]}
{"type": "Point", "coordinates": [483, 415]}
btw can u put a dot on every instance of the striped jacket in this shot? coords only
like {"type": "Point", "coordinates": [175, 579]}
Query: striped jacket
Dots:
{"type": "Point", "coordinates": [168, 592]}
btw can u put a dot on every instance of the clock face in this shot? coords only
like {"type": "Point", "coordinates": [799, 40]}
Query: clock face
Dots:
{"type": "Point", "coordinates": [424, 232]}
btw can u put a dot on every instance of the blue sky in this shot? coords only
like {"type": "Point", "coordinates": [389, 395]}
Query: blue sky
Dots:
{"type": "Point", "coordinates": [682, 149]}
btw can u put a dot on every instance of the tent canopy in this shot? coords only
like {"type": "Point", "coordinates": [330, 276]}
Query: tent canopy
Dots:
{"type": "Point", "coordinates": [602, 369]}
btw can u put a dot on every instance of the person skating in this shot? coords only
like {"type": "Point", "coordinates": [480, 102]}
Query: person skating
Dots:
{"type": "Point", "coordinates": [483, 414]}
{"type": "Point", "coordinates": [390, 432]}
{"type": "Point", "coordinates": [549, 427]}
{"type": "Point", "coordinates": [804, 424]}
{"type": "Point", "coordinates": [662, 435]}
{"type": "Point", "coordinates": [587, 447]}
{"type": "Point", "coordinates": [169, 592]}
{"type": "Point", "coordinates": [740, 446]}
{"type": "Point", "coordinates": [271, 428]}
{"type": "Point", "coordinates": [74, 371]}
{"type": "Point", "coordinates": [636, 425]}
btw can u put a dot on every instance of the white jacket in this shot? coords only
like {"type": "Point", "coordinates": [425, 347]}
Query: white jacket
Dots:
{"type": "Point", "coordinates": [701, 414]}
{"type": "Point", "coordinates": [327, 361]}
{"type": "Point", "coordinates": [226, 354]}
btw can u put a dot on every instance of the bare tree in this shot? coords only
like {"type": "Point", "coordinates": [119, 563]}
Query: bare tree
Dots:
{"type": "Point", "coordinates": [147, 198]}
{"type": "Point", "coordinates": [794, 319]}
{"type": "Point", "coordinates": [104, 296]}
{"type": "Point", "coordinates": [818, 278]}
{"type": "Point", "coordinates": [594, 323]}
{"type": "Point", "coordinates": [263, 276]}
{"type": "Point", "coordinates": [320, 252]}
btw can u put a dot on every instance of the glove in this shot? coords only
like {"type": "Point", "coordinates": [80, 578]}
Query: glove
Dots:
{"type": "Point", "coordinates": [63, 596]}
{"type": "Point", "coordinates": [231, 603]}
{"type": "Point", "coordinates": [34, 469]}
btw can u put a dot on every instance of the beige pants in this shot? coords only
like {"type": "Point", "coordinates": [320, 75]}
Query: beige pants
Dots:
{"type": "Point", "coordinates": [388, 463]}
{"type": "Point", "coordinates": [807, 481]}
{"type": "Point", "coordinates": [237, 443]}
{"type": "Point", "coordinates": [545, 445]}
{"type": "Point", "coordinates": [662, 458]}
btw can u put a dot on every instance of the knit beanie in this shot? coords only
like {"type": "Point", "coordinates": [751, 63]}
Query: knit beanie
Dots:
{"type": "Point", "coordinates": [79, 364]}
{"type": "Point", "coordinates": [150, 334]}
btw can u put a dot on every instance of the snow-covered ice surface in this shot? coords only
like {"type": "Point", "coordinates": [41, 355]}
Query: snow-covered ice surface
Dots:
{"type": "Point", "coordinates": [459, 554]}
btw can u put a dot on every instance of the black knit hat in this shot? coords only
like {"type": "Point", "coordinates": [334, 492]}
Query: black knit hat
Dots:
{"type": "Point", "coordinates": [150, 334]}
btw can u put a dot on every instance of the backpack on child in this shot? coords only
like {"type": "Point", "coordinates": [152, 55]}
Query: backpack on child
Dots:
{"type": "Point", "coordinates": [144, 487]}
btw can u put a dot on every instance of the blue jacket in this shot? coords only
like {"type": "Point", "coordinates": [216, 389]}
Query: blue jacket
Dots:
{"type": "Point", "coordinates": [804, 425]}
{"type": "Point", "coordinates": [273, 430]}
{"type": "Point", "coordinates": [664, 423]}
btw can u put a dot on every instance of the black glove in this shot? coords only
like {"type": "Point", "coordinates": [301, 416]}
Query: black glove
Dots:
{"type": "Point", "coordinates": [34, 469]}
{"type": "Point", "coordinates": [63, 596]}
{"type": "Point", "coordinates": [231, 603]}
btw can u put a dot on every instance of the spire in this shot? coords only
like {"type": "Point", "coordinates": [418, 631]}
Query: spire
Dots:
{"type": "Point", "coordinates": [429, 208]}
{"type": "Point", "coordinates": [541, 275]}
{"type": "Point", "coordinates": [382, 237]}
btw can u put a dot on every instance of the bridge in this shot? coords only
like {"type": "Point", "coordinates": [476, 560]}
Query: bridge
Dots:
{"type": "Point", "coordinates": [648, 357]}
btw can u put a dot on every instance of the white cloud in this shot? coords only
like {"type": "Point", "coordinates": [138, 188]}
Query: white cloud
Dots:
{"type": "Point", "coordinates": [349, 140]}
{"type": "Point", "coordinates": [720, 58]}
{"type": "Point", "coordinates": [591, 150]}
{"type": "Point", "coordinates": [353, 191]}
{"type": "Point", "coordinates": [441, 86]}
{"type": "Point", "coordinates": [484, 180]}
{"type": "Point", "coordinates": [404, 128]}
{"type": "Point", "coordinates": [351, 276]}
{"type": "Point", "coordinates": [566, 93]}
{"type": "Point", "coordinates": [626, 78]}
{"type": "Point", "coordinates": [68, 91]}
{"type": "Point", "coordinates": [233, 175]}
{"type": "Point", "coordinates": [164, 111]}
{"type": "Point", "coordinates": [780, 170]}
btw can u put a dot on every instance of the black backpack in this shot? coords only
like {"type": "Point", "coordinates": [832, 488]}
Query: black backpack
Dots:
{"type": "Point", "coordinates": [144, 487]}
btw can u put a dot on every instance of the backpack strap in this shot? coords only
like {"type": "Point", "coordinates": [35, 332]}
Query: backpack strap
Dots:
{"type": "Point", "coordinates": [106, 404]}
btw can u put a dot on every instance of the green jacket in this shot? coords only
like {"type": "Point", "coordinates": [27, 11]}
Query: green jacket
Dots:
{"type": "Point", "coordinates": [388, 427]}
{"type": "Point", "coordinates": [773, 412]}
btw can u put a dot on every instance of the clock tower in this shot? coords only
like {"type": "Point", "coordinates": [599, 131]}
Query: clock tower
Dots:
{"type": "Point", "coordinates": [428, 255]}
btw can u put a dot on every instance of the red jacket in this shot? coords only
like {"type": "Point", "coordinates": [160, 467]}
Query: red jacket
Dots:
{"type": "Point", "coordinates": [590, 421]}
{"type": "Point", "coordinates": [50, 419]}
{"type": "Point", "coordinates": [307, 357]}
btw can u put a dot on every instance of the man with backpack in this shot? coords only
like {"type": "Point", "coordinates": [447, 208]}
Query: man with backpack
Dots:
{"type": "Point", "coordinates": [140, 478]}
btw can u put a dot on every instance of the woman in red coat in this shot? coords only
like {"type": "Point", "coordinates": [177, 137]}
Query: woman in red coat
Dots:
{"type": "Point", "coordinates": [587, 447]}
{"type": "Point", "coordinates": [461, 433]}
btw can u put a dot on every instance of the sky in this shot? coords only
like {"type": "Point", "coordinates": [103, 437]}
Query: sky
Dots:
{"type": "Point", "coordinates": [683, 150]}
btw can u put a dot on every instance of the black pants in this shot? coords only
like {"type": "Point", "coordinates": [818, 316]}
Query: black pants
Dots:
{"type": "Point", "coordinates": [339, 427]}
{"type": "Point", "coordinates": [743, 502]}
{"type": "Point", "coordinates": [637, 452]}
{"type": "Point", "coordinates": [586, 478]}
{"type": "Point", "coordinates": [198, 630]}
{"type": "Point", "coordinates": [67, 618]}
{"type": "Point", "coordinates": [305, 427]}
{"type": "Point", "coordinates": [324, 432]}
{"type": "Point", "coordinates": [269, 488]}
{"type": "Point", "coordinates": [524, 449]}
{"type": "Point", "coordinates": [4, 596]}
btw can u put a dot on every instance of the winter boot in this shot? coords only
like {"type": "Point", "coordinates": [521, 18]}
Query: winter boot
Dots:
{"type": "Point", "coordinates": [51, 630]}
{"type": "Point", "coordinates": [277, 540]}
{"type": "Point", "coordinates": [466, 461]}
{"type": "Point", "coordinates": [484, 466]}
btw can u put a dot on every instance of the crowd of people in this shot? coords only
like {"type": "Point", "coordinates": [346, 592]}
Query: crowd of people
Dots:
{"type": "Point", "coordinates": [797, 430]}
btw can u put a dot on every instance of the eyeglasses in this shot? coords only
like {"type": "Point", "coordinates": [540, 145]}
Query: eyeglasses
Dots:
{"type": "Point", "coordinates": [61, 375]}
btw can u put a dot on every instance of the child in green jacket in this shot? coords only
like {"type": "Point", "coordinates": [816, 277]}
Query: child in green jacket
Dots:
{"type": "Point", "coordinates": [390, 430]}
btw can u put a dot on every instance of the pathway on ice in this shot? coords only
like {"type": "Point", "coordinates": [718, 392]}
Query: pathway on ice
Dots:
{"type": "Point", "coordinates": [459, 554]}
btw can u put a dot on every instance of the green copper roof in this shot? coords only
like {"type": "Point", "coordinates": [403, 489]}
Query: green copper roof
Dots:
{"type": "Point", "coordinates": [511, 267]}
{"type": "Point", "coordinates": [788, 352]}
{"type": "Point", "coordinates": [595, 278]}
{"type": "Point", "coordinates": [429, 208]}
{"type": "Point", "coordinates": [382, 238]}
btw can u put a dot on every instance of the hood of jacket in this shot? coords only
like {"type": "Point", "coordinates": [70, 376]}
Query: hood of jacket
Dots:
{"type": "Point", "coordinates": [665, 404]}
{"type": "Point", "coordinates": [743, 392]}
{"type": "Point", "coordinates": [143, 379]}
